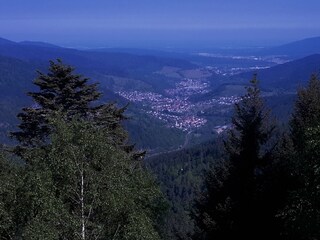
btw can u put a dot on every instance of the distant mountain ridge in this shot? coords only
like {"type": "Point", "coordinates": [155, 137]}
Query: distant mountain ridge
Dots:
{"type": "Point", "coordinates": [40, 50]}
{"type": "Point", "coordinates": [287, 76]}
{"type": "Point", "coordinates": [19, 62]}
{"type": "Point", "coordinates": [39, 44]}
{"type": "Point", "coordinates": [296, 49]}
{"type": "Point", "coordinates": [117, 69]}
{"type": "Point", "coordinates": [96, 65]}
{"type": "Point", "coordinates": [6, 41]}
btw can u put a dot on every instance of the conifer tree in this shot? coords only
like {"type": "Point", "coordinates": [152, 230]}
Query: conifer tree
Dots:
{"type": "Point", "coordinates": [69, 93]}
{"type": "Point", "coordinates": [306, 111]}
{"type": "Point", "coordinates": [61, 89]}
{"type": "Point", "coordinates": [81, 181]}
{"type": "Point", "coordinates": [302, 211]}
{"type": "Point", "coordinates": [233, 205]}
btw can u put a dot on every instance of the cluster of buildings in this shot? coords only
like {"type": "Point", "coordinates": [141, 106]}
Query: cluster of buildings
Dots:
{"type": "Point", "coordinates": [182, 122]}
{"type": "Point", "coordinates": [226, 101]}
{"type": "Point", "coordinates": [136, 96]}
{"type": "Point", "coordinates": [221, 129]}
{"type": "Point", "coordinates": [174, 109]}
{"type": "Point", "coordinates": [227, 71]}
{"type": "Point", "coordinates": [188, 87]}
{"type": "Point", "coordinates": [189, 122]}
{"type": "Point", "coordinates": [172, 106]}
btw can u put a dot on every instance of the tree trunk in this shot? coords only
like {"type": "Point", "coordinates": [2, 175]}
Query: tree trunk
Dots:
{"type": "Point", "coordinates": [83, 227]}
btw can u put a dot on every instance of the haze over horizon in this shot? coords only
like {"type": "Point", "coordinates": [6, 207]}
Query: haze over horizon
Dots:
{"type": "Point", "coordinates": [155, 24]}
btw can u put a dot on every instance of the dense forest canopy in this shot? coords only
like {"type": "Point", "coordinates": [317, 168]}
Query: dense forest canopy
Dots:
{"type": "Point", "coordinates": [77, 177]}
{"type": "Point", "coordinates": [73, 174]}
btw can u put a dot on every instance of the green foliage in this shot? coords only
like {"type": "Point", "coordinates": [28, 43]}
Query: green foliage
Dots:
{"type": "Point", "coordinates": [80, 180]}
{"type": "Point", "coordinates": [8, 199]}
{"type": "Point", "coordinates": [61, 90]}
{"type": "Point", "coordinates": [302, 210]}
{"type": "Point", "coordinates": [180, 174]}
{"type": "Point", "coordinates": [233, 205]}
{"type": "Point", "coordinates": [302, 213]}
{"type": "Point", "coordinates": [306, 111]}
{"type": "Point", "coordinates": [152, 134]}
{"type": "Point", "coordinates": [38, 209]}
{"type": "Point", "coordinates": [82, 185]}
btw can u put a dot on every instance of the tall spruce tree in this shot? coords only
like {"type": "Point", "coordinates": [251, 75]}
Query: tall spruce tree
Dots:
{"type": "Point", "coordinates": [234, 205]}
{"type": "Point", "coordinates": [306, 112]}
{"type": "Point", "coordinates": [302, 212]}
{"type": "Point", "coordinates": [61, 89]}
{"type": "Point", "coordinates": [69, 93]}
{"type": "Point", "coordinates": [80, 180]}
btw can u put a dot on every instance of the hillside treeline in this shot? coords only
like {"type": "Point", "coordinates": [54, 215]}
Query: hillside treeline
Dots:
{"type": "Point", "coordinates": [73, 175]}
{"type": "Point", "coordinates": [258, 181]}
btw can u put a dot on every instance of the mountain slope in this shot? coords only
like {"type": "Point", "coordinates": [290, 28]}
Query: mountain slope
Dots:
{"type": "Point", "coordinates": [39, 44]}
{"type": "Point", "coordinates": [300, 48]}
{"type": "Point", "coordinates": [287, 76]}
{"type": "Point", "coordinates": [19, 62]}
{"type": "Point", "coordinates": [15, 75]}
{"type": "Point", "coordinates": [97, 65]}
{"type": "Point", "coordinates": [28, 50]}
{"type": "Point", "coordinates": [6, 42]}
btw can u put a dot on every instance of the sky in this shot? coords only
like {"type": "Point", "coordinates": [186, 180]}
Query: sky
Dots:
{"type": "Point", "coordinates": [159, 23]}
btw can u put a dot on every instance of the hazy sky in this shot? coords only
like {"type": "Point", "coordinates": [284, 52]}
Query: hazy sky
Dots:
{"type": "Point", "coordinates": [159, 23]}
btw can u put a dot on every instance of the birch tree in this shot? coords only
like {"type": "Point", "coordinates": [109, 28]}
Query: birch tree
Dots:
{"type": "Point", "coordinates": [95, 190]}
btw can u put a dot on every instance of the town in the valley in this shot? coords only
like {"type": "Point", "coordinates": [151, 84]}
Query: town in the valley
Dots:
{"type": "Point", "coordinates": [175, 108]}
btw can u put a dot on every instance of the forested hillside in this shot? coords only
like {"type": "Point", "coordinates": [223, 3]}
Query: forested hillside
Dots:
{"type": "Point", "coordinates": [74, 172]}
{"type": "Point", "coordinates": [180, 175]}
{"type": "Point", "coordinates": [19, 62]}
{"type": "Point", "coordinates": [213, 188]}
{"type": "Point", "coordinates": [209, 87]}
{"type": "Point", "coordinates": [159, 120]}
{"type": "Point", "coordinates": [288, 76]}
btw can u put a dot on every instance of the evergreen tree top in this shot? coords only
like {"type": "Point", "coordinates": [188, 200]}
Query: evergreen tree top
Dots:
{"type": "Point", "coordinates": [251, 118]}
{"type": "Point", "coordinates": [62, 89]}
{"type": "Point", "coordinates": [306, 111]}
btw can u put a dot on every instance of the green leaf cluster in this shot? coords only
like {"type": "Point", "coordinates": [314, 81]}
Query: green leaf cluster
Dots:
{"type": "Point", "coordinates": [78, 178]}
